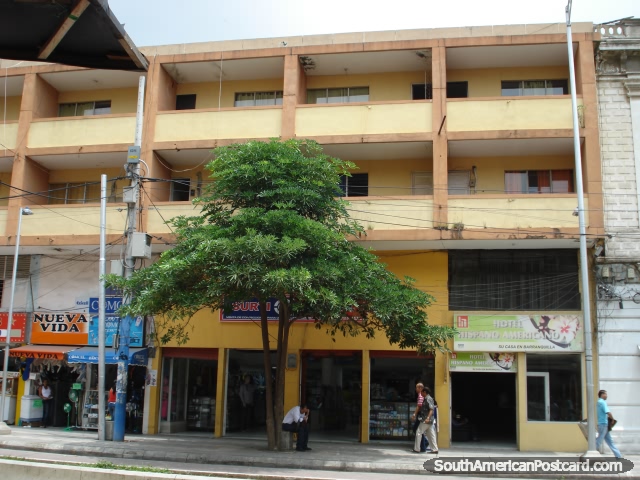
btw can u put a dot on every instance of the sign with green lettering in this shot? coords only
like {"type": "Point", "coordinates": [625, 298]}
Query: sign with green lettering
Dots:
{"type": "Point", "coordinates": [483, 362]}
{"type": "Point", "coordinates": [518, 333]}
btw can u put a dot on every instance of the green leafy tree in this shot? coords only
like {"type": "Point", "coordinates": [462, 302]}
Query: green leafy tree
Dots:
{"type": "Point", "coordinates": [273, 225]}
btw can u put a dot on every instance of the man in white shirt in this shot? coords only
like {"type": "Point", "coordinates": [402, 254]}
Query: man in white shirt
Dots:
{"type": "Point", "coordinates": [296, 421]}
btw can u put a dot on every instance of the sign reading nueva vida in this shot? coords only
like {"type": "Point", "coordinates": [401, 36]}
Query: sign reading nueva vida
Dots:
{"type": "Point", "coordinates": [524, 333]}
{"type": "Point", "coordinates": [483, 362]}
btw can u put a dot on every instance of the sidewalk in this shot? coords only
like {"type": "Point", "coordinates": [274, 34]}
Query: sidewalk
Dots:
{"type": "Point", "coordinates": [390, 457]}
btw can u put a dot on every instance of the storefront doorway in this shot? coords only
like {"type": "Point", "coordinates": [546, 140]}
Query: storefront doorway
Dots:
{"type": "Point", "coordinates": [483, 407]}
{"type": "Point", "coordinates": [246, 409]}
{"type": "Point", "coordinates": [332, 388]}
{"type": "Point", "coordinates": [394, 376]}
{"type": "Point", "coordinates": [188, 395]}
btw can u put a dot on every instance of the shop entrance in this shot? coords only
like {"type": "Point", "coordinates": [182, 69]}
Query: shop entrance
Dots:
{"type": "Point", "coordinates": [332, 388]}
{"type": "Point", "coordinates": [189, 380]}
{"type": "Point", "coordinates": [483, 407]}
{"type": "Point", "coordinates": [246, 392]}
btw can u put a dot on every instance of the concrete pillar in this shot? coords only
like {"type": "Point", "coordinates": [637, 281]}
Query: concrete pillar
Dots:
{"type": "Point", "coordinates": [366, 396]}
{"type": "Point", "coordinates": [440, 146]}
{"type": "Point", "coordinates": [221, 391]}
{"type": "Point", "coordinates": [521, 397]}
{"type": "Point", "coordinates": [443, 397]}
{"type": "Point", "coordinates": [294, 93]}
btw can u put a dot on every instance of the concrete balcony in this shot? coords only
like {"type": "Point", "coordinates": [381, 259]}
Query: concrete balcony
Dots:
{"type": "Point", "coordinates": [514, 211]}
{"type": "Point", "coordinates": [397, 213]}
{"type": "Point", "coordinates": [71, 220]}
{"type": "Point", "coordinates": [81, 131]}
{"type": "Point", "coordinates": [363, 119]}
{"type": "Point", "coordinates": [509, 113]}
{"type": "Point", "coordinates": [8, 136]}
{"type": "Point", "coordinates": [162, 211]}
{"type": "Point", "coordinates": [230, 123]}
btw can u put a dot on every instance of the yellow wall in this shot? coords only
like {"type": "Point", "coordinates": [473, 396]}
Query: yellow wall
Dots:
{"type": "Point", "coordinates": [166, 211]}
{"type": "Point", "coordinates": [98, 130]}
{"type": "Point", "coordinates": [392, 177]}
{"type": "Point", "coordinates": [491, 169]}
{"type": "Point", "coordinates": [73, 220]}
{"type": "Point", "coordinates": [240, 123]}
{"type": "Point", "coordinates": [8, 138]}
{"type": "Point", "coordinates": [382, 86]}
{"type": "Point", "coordinates": [514, 211]}
{"type": "Point", "coordinates": [12, 111]}
{"type": "Point", "coordinates": [123, 100]}
{"type": "Point", "coordinates": [345, 119]}
{"type": "Point", "coordinates": [509, 114]}
{"type": "Point", "coordinates": [86, 175]}
{"type": "Point", "coordinates": [486, 82]}
{"type": "Point", "coordinates": [208, 94]}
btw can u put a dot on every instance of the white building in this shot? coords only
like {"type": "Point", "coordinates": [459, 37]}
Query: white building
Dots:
{"type": "Point", "coordinates": [618, 264]}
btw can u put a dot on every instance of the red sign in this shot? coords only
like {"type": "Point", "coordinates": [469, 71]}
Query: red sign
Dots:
{"type": "Point", "coordinates": [18, 327]}
{"type": "Point", "coordinates": [463, 321]}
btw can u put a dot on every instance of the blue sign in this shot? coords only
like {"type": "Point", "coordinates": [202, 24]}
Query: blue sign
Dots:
{"type": "Point", "coordinates": [112, 323]}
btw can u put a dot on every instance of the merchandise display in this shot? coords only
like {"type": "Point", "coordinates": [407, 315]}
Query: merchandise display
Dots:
{"type": "Point", "coordinates": [201, 413]}
{"type": "Point", "coordinates": [390, 420]}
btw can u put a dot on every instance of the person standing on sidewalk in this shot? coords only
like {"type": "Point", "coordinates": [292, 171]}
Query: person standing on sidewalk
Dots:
{"type": "Point", "coordinates": [416, 422]}
{"type": "Point", "coordinates": [45, 392]}
{"type": "Point", "coordinates": [604, 414]}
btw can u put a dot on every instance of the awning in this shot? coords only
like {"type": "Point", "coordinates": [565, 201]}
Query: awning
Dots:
{"type": "Point", "coordinates": [83, 33]}
{"type": "Point", "coordinates": [42, 352]}
{"type": "Point", "coordinates": [137, 356]}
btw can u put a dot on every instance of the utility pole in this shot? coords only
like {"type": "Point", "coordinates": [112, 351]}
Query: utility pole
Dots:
{"type": "Point", "coordinates": [584, 265]}
{"type": "Point", "coordinates": [132, 197]}
{"type": "Point", "coordinates": [101, 309]}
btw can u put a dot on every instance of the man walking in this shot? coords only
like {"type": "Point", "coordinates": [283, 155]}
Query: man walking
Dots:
{"type": "Point", "coordinates": [296, 420]}
{"type": "Point", "coordinates": [604, 414]}
{"type": "Point", "coordinates": [416, 422]}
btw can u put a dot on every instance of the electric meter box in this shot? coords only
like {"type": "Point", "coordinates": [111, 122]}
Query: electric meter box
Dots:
{"type": "Point", "coordinates": [140, 245]}
{"type": "Point", "coordinates": [130, 195]}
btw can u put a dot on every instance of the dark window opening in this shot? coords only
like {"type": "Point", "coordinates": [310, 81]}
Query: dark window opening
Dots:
{"type": "Point", "coordinates": [421, 91]}
{"type": "Point", "coordinates": [186, 102]}
{"type": "Point", "coordinates": [513, 280]}
{"type": "Point", "coordinates": [457, 89]}
{"type": "Point", "coordinates": [356, 185]}
{"type": "Point", "coordinates": [180, 189]}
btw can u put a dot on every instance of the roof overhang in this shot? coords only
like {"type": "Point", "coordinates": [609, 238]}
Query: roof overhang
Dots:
{"type": "Point", "coordinates": [82, 33]}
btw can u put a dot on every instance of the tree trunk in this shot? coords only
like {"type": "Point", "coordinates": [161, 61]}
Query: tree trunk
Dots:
{"type": "Point", "coordinates": [272, 432]}
{"type": "Point", "coordinates": [281, 364]}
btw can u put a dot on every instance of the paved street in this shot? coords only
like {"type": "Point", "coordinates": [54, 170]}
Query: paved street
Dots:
{"type": "Point", "coordinates": [238, 457]}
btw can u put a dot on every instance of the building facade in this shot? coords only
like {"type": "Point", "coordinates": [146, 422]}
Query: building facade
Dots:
{"type": "Point", "coordinates": [617, 274]}
{"type": "Point", "coordinates": [465, 182]}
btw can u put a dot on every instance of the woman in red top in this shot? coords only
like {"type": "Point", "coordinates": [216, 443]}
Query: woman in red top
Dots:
{"type": "Point", "coordinates": [112, 400]}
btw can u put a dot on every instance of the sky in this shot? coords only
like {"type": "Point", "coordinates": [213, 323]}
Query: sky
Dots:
{"type": "Point", "coordinates": [162, 22]}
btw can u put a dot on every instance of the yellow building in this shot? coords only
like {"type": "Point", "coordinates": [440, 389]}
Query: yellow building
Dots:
{"type": "Point", "coordinates": [463, 139]}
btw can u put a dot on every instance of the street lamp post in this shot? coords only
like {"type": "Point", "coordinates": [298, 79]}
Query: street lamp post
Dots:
{"type": "Point", "coordinates": [3, 426]}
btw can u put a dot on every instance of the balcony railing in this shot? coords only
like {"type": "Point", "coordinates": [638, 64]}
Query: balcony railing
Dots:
{"type": "Point", "coordinates": [256, 122]}
{"type": "Point", "coordinates": [8, 136]}
{"type": "Point", "coordinates": [509, 113]}
{"type": "Point", "coordinates": [514, 211]}
{"type": "Point", "coordinates": [397, 213]}
{"type": "Point", "coordinates": [165, 211]}
{"type": "Point", "coordinates": [72, 131]}
{"type": "Point", "coordinates": [363, 119]}
{"type": "Point", "coordinates": [72, 220]}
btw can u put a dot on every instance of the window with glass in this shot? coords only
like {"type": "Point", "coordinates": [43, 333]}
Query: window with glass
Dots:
{"type": "Point", "coordinates": [513, 280]}
{"type": "Point", "coordinates": [338, 95]}
{"type": "Point", "coordinates": [539, 181]}
{"type": "Point", "coordinates": [554, 388]}
{"type": "Point", "coordinates": [80, 109]}
{"type": "Point", "coordinates": [521, 88]}
{"type": "Point", "coordinates": [84, 192]}
{"type": "Point", "coordinates": [355, 185]}
{"type": "Point", "coordinates": [258, 99]}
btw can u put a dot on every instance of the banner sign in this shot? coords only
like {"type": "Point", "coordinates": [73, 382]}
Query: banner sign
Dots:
{"type": "Point", "coordinates": [523, 333]}
{"type": "Point", "coordinates": [18, 327]}
{"type": "Point", "coordinates": [112, 323]}
{"type": "Point", "coordinates": [483, 362]}
{"type": "Point", "coordinates": [60, 328]}
{"type": "Point", "coordinates": [250, 312]}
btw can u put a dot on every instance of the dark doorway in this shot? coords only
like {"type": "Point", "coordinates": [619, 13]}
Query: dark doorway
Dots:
{"type": "Point", "coordinates": [332, 388]}
{"type": "Point", "coordinates": [483, 407]}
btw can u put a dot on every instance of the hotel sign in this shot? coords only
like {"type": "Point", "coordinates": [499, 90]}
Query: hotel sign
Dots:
{"type": "Point", "coordinates": [518, 333]}
{"type": "Point", "coordinates": [483, 362]}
